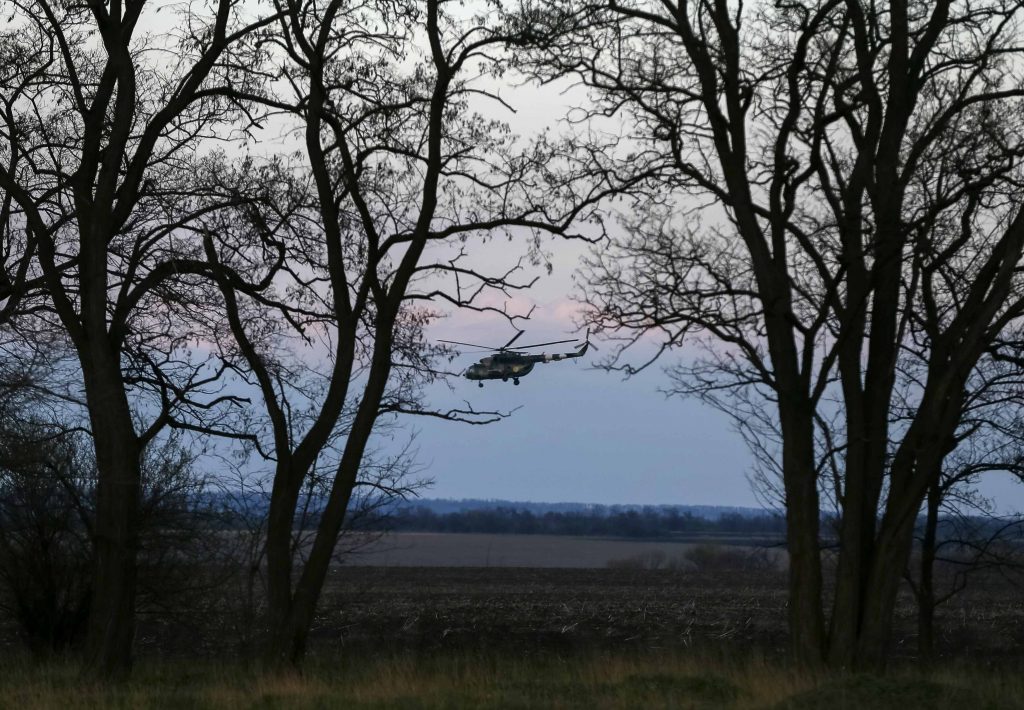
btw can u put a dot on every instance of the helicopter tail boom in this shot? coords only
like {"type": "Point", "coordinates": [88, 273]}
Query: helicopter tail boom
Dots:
{"type": "Point", "coordinates": [555, 357]}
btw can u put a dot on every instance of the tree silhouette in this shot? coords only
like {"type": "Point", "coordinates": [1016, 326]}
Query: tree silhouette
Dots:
{"type": "Point", "coordinates": [832, 185]}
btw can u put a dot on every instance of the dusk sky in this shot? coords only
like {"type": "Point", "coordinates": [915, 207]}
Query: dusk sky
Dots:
{"type": "Point", "coordinates": [581, 434]}
{"type": "Point", "coordinates": [585, 435]}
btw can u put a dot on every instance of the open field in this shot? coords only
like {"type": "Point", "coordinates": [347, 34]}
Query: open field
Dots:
{"type": "Point", "coordinates": [486, 550]}
{"type": "Point", "coordinates": [707, 634]}
{"type": "Point", "coordinates": [526, 610]}
{"type": "Point", "coordinates": [573, 610]}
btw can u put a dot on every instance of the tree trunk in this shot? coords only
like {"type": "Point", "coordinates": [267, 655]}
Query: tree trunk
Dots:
{"type": "Point", "coordinates": [806, 618]}
{"type": "Point", "coordinates": [280, 560]}
{"type": "Point", "coordinates": [311, 582]}
{"type": "Point", "coordinates": [880, 599]}
{"type": "Point", "coordinates": [111, 628]}
{"type": "Point", "coordinates": [913, 476]}
{"type": "Point", "coordinates": [290, 613]}
{"type": "Point", "coordinates": [857, 550]}
{"type": "Point", "coordinates": [892, 554]}
{"type": "Point", "coordinates": [855, 543]}
{"type": "Point", "coordinates": [926, 583]}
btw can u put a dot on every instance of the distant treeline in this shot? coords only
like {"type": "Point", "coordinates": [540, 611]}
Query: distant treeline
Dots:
{"type": "Point", "coordinates": [450, 505]}
{"type": "Point", "coordinates": [647, 522]}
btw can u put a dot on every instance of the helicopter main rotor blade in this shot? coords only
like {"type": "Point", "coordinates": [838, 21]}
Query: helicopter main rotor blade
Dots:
{"type": "Point", "coordinates": [514, 339]}
{"type": "Point", "coordinates": [469, 345]}
{"type": "Point", "coordinates": [553, 342]}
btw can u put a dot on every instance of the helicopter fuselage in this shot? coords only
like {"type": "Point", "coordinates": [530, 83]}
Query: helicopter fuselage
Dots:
{"type": "Point", "coordinates": [501, 367]}
{"type": "Point", "coordinates": [513, 365]}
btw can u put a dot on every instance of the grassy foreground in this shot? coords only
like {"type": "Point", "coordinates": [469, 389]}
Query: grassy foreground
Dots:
{"type": "Point", "coordinates": [543, 681]}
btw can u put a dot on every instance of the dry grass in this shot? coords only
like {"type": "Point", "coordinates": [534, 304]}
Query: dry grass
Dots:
{"type": "Point", "coordinates": [481, 681]}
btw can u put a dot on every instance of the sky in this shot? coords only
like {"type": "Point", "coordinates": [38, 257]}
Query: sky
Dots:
{"type": "Point", "coordinates": [577, 433]}
{"type": "Point", "coordinates": [580, 434]}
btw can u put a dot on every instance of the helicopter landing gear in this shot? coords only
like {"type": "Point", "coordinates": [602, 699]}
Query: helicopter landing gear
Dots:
{"type": "Point", "coordinates": [480, 384]}
{"type": "Point", "coordinates": [504, 379]}
{"type": "Point", "coordinates": [515, 381]}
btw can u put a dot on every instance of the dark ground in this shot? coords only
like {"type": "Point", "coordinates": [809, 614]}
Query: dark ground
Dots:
{"type": "Point", "coordinates": [519, 610]}
{"type": "Point", "coordinates": [431, 607]}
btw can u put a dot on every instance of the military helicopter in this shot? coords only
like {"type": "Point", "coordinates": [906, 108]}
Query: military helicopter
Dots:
{"type": "Point", "coordinates": [505, 363]}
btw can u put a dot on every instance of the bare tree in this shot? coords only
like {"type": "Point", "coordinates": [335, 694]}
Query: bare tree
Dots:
{"type": "Point", "coordinates": [401, 171]}
{"type": "Point", "coordinates": [962, 537]}
{"type": "Point", "coordinates": [834, 183]}
{"type": "Point", "coordinates": [962, 534]}
{"type": "Point", "coordinates": [105, 115]}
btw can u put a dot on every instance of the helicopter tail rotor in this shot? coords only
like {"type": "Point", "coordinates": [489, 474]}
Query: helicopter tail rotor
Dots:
{"type": "Point", "coordinates": [587, 345]}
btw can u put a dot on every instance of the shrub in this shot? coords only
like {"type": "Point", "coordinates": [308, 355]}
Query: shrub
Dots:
{"type": "Point", "coordinates": [47, 503]}
{"type": "Point", "coordinates": [721, 558]}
